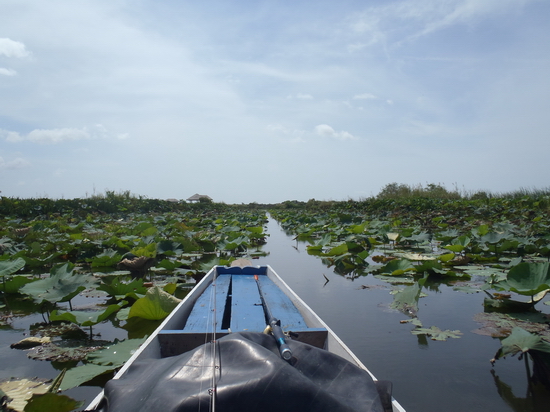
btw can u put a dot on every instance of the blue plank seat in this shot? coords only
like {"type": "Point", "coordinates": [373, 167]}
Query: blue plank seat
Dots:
{"type": "Point", "coordinates": [238, 308]}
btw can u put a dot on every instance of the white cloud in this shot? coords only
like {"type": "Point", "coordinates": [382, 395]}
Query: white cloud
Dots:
{"type": "Point", "coordinates": [17, 163]}
{"type": "Point", "coordinates": [327, 131]}
{"type": "Point", "coordinates": [7, 72]}
{"type": "Point", "coordinates": [365, 96]}
{"type": "Point", "coordinates": [53, 136]}
{"type": "Point", "coordinates": [12, 48]}
{"type": "Point", "coordinates": [300, 96]}
{"type": "Point", "coordinates": [294, 135]}
{"type": "Point", "coordinates": [407, 20]}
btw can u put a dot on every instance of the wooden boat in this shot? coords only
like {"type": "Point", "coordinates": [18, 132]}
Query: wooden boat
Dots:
{"type": "Point", "coordinates": [229, 308]}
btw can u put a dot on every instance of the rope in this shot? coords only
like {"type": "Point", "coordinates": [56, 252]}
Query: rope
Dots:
{"type": "Point", "coordinates": [214, 344]}
{"type": "Point", "coordinates": [210, 327]}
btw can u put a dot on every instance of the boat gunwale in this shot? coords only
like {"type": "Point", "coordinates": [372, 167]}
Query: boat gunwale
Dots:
{"type": "Point", "coordinates": [334, 343]}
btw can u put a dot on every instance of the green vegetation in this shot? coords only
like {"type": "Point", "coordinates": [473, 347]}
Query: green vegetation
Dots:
{"type": "Point", "coordinates": [422, 237]}
{"type": "Point", "coordinates": [53, 252]}
{"type": "Point", "coordinates": [99, 252]}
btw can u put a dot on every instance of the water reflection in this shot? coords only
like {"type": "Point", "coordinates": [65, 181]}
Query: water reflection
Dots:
{"type": "Point", "coordinates": [451, 376]}
{"type": "Point", "coordinates": [536, 399]}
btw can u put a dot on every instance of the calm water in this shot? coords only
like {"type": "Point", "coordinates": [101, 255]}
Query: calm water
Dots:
{"type": "Point", "coordinates": [454, 375]}
{"type": "Point", "coordinates": [428, 376]}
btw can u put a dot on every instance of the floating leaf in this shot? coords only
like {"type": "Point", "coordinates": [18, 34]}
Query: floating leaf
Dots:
{"type": "Point", "coordinates": [500, 325]}
{"type": "Point", "coordinates": [406, 300]}
{"type": "Point", "coordinates": [81, 374]}
{"type": "Point", "coordinates": [51, 402]}
{"type": "Point", "coordinates": [393, 236]}
{"type": "Point", "coordinates": [170, 288]}
{"type": "Point", "coordinates": [397, 267]}
{"type": "Point", "coordinates": [414, 321]}
{"type": "Point", "coordinates": [84, 318]}
{"type": "Point", "coordinates": [437, 334]}
{"type": "Point", "coordinates": [169, 247]}
{"type": "Point", "coordinates": [56, 353]}
{"type": "Point", "coordinates": [30, 342]}
{"type": "Point", "coordinates": [446, 257]}
{"type": "Point", "coordinates": [417, 256]}
{"type": "Point", "coordinates": [107, 258]}
{"type": "Point", "coordinates": [156, 304]}
{"type": "Point", "coordinates": [522, 341]}
{"type": "Point", "coordinates": [21, 390]}
{"type": "Point", "coordinates": [458, 244]}
{"type": "Point", "coordinates": [338, 250]}
{"type": "Point", "coordinates": [116, 354]}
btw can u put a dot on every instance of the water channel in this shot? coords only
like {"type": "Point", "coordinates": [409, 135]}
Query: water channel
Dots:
{"type": "Point", "coordinates": [428, 376]}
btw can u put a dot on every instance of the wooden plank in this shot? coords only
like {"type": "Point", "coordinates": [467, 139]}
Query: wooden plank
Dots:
{"type": "Point", "coordinates": [281, 306]}
{"type": "Point", "coordinates": [203, 313]}
{"type": "Point", "coordinates": [247, 313]}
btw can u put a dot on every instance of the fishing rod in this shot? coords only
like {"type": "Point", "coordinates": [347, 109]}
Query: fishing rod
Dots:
{"type": "Point", "coordinates": [275, 325]}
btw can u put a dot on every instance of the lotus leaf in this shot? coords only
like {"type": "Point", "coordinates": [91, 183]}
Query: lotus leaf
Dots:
{"type": "Point", "coordinates": [398, 267]}
{"type": "Point", "coordinates": [51, 352]}
{"type": "Point", "coordinates": [108, 258]}
{"type": "Point", "coordinates": [500, 324]}
{"type": "Point", "coordinates": [116, 354]}
{"type": "Point", "coordinates": [446, 257]}
{"type": "Point", "coordinates": [169, 264]}
{"type": "Point", "coordinates": [81, 374]}
{"type": "Point", "coordinates": [459, 244]}
{"type": "Point", "coordinates": [61, 286]}
{"type": "Point", "coordinates": [406, 300]}
{"type": "Point", "coordinates": [169, 247]}
{"type": "Point", "coordinates": [15, 283]}
{"type": "Point", "coordinates": [84, 318]}
{"type": "Point", "coordinates": [30, 342]}
{"type": "Point", "coordinates": [358, 229]}
{"type": "Point", "coordinates": [437, 334]}
{"type": "Point", "coordinates": [364, 254]}
{"type": "Point", "coordinates": [414, 321]}
{"type": "Point", "coordinates": [338, 250]}
{"type": "Point", "coordinates": [118, 288]}
{"type": "Point", "coordinates": [506, 305]}
{"type": "Point", "coordinates": [51, 402]}
{"type": "Point", "coordinates": [66, 330]}
{"type": "Point", "coordinates": [170, 288]}
{"type": "Point", "coordinates": [528, 278]}
{"type": "Point", "coordinates": [123, 313]}
{"type": "Point", "coordinates": [394, 237]}
{"type": "Point", "coordinates": [21, 390]}
{"type": "Point", "coordinates": [149, 250]}
{"type": "Point", "coordinates": [8, 267]}
{"type": "Point", "coordinates": [417, 256]}
{"type": "Point", "coordinates": [522, 341]}
{"type": "Point", "coordinates": [156, 304]}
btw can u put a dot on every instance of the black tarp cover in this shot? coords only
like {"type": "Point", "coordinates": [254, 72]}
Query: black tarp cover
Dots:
{"type": "Point", "coordinates": [251, 377]}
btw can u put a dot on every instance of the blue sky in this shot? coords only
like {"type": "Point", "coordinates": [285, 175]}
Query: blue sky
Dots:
{"type": "Point", "coordinates": [266, 101]}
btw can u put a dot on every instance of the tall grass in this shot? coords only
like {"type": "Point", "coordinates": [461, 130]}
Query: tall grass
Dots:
{"type": "Point", "coordinates": [439, 191]}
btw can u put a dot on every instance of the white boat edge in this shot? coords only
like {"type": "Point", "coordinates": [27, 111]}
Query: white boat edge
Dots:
{"type": "Point", "coordinates": [151, 347]}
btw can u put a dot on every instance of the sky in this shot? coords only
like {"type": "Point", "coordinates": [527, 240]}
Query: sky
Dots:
{"type": "Point", "coordinates": [266, 101]}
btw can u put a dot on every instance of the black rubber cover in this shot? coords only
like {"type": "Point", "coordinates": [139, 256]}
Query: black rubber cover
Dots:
{"type": "Point", "coordinates": [252, 376]}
